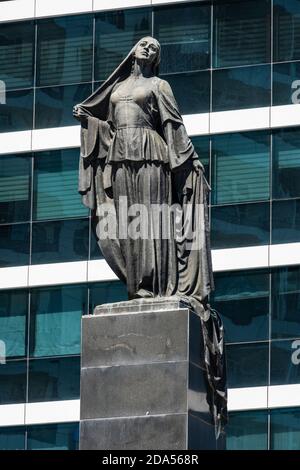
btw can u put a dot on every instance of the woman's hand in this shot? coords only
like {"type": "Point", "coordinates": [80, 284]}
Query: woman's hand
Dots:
{"type": "Point", "coordinates": [79, 114]}
{"type": "Point", "coordinates": [198, 167]}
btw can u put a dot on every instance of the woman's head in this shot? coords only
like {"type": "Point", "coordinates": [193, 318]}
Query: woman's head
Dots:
{"type": "Point", "coordinates": [147, 50]}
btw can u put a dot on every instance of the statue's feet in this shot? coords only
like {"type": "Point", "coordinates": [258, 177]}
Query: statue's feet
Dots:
{"type": "Point", "coordinates": [143, 293]}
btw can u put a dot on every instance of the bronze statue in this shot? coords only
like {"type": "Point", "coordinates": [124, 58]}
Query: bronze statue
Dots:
{"type": "Point", "coordinates": [134, 147]}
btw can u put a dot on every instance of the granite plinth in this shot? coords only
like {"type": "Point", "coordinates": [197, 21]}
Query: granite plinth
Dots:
{"type": "Point", "coordinates": [143, 378]}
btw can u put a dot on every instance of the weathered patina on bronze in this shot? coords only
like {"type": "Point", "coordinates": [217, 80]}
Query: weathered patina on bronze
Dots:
{"type": "Point", "coordinates": [134, 145]}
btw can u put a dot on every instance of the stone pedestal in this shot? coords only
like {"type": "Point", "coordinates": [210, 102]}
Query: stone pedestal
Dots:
{"type": "Point", "coordinates": [143, 383]}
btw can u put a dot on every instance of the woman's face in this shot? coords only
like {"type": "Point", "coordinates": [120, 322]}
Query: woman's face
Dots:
{"type": "Point", "coordinates": [147, 50]}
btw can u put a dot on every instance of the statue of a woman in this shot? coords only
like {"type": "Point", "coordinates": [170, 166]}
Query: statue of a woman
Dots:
{"type": "Point", "coordinates": [135, 151]}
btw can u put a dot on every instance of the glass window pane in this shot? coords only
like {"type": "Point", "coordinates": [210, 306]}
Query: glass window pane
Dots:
{"type": "Point", "coordinates": [17, 54]}
{"type": "Point", "coordinates": [286, 221]}
{"type": "Point", "coordinates": [64, 50]}
{"type": "Point", "coordinates": [13, 322]}
{"type": "Point", "coordinates": [184, 34]}
{"type": "Point", "coordinates": [55, 185]}
{"type": "Point", "coordinates": [15, 172]}
{"type": "Point", "coordinates": [55, 320]}
{"type": "Point", "coordinates": [285, 429]}
{"type": "Point", "coordinates": [13, 382]}
{"type": "Point", "coordinates": [247, 365]}
{"type": "Point", "coordinates": [286, 302]}
{"type": "Point", "coordinates": [240, 225]}
{"type": "Point", "coordinates": [286, 163]}
{"type": "Point", "coordinates": [247, 431]}
{"type": "Point", "coordinates": [242, 299]}
{"type": "Point", "coordinates": [286, 30]}
{"type": "Point", "coordinates": [53, 437]}
{"type": "Point", "coordinates": [197, 100]}
{"type": "Point", "coordinates": [240, 167]}
{"type": "Point", "coordinates": [53, 105]}
{"type": "Point", "coordinates": [242, 32]}
{"type": "Point", "coordinates": [242, 87]}
{"type": "Point", "coordinates": [14, 245]}
{"type": "Point", "coordinates": [116, 33]}
{"type": "Point", "coordinates": [202, 147]}
{"type": "Point", "coordinates": [95, 250]}
{"type": "Point", "coordinates": [286, 83]}
{"type": "Point", "coordinates": [285, 360]}
{"type": "Point", "coordinates": [16, 114]}
{"type": "Point", "coordinates": [12, 438]}
{"type": "Point", "coordinates": [54, 379]}
{"type": "Point", "coordinates": [60, 241]}
{"type": "Point", "coordinates": [107, 292]}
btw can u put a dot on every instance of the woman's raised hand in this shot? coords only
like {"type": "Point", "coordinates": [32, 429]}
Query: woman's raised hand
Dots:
{"type": "Point", "coordinates": [198, 167]}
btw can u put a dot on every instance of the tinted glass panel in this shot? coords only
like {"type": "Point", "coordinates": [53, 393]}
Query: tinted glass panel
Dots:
{"type": "Point", "coordinates": [240, 167]}
{"type": "Point", "coordinates": [240, 225]}
{"type": "Point", "coordinates": [55, 320]}
{"type": "Point", "coordinates": [285, 362]}
{"type": "Point", "coordinates": [286, 83]}
{"type": "Point", "coordinates": [242, 87]}
{"type": "Point", "coordinates": [184, 34]}
{"type": "Point", "coordinates": [242, 32]}
{"type": "Point", "coordinates": [55, 185]}
{"type": "Point", "coordinates": [54, 242]}
{"type": "Point", "coordinates": [53, 437]}
{"type": "Point", "coordinates": [12, 438]}
{"type": "Point", "coordinates": [242, 299]}
{"type": "Point", "coordinates": [15, 188]}
{"type": "Point", "coordinates": [247, 431]}
{"type": "Point", "coordinates": [13, 317]}
{"type": "Point", "coordinates": [286, 163]}
{"type": "Point", "coordinates": [13, 382]}
{"type": "Point", "coordinates": [116, 33]}
{"type": "Point", "coordinates": [286, 303]}
{"type": "Point", "coordinates": [247, 365]}
{"type": "Point", "coordinates": [286, 30]}
{"type": "Point", "coordinates": [285, 429]}
{"type": "Point", "coordinates": [286, 221]}
{"type": "Point", "coordinates": [17, 54]}
{"type": "Point", "coordinates": [197, 100]}
{"type": "Point", "coordinates": [202, 147]}
{"type": "Point", "coordinates": [16, 114]}
{"type": "Point", "coordinates": [54, 379]}
{"type": "Point", "coordinates": [64, 50]}
{"type": "Point", "coordinates": [14, 245]}
{"type": "Point", "coordinates": [53, 105]}
{"type": "Point", "coordinates": [107, 292]}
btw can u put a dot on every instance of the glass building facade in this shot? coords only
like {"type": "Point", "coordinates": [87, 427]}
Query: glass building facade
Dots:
{"type": "Point", "coordinates": [228, 61]}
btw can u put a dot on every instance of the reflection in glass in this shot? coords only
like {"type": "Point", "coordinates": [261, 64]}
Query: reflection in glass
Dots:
{"type": "Point", "coordinates": [247, 430]}
{"type": "Point", "coordinates": [64, 50]}
{"type": "Point", "coordinates": [55, 190]}
{"type": "Point", "coordinates": [286, 30]}
{"type": "Point", "coordinates": [241, 87]}
{"type": "Point", "coordinates": [53, 105]}
{"type": "Point", "coordinates": [240, 167]}
{"type": "Point", "coordinates": [197, 100]}
{"type": "Point", "coordinates": [184, 34]}
{"type": "Point", "coordinates": [285, 429]}
{"type": "Point", "coordinates": [242, 32]}
{"type": "Point", "coordinates": [54, 379]}
{"type": "Point", "coordinates": [17, 54]}
{"type": "Point", "coordinates": [242, 299]}
{"type": "Point", "coordinates": [13, 321]}
{"type": "Point", "coordinates": [14, 245]}
{"type": "Point", "coordinates": [15, 172]}
{"type": "Point", "coordinates": [60, 241]}
{"type": "Point", "coordinates": [13, 382]}
{"type": "Point", "coordinates": [285, 362]}
{"type": "Point", "coordinates": [116, 33]}
{"type": "Point", "coordinates": [55, 320]}
{"type": "Point", "coordinates": [247, 365]}
{"type": "Point", "coordinates": [12, 438]}
{"type": "Point", "coordinates": [286, 221]}
{"type": "Point", "coordinates": [106, 292]}
{"type": "Point", "coordinates": [53, 437]}
{"type": "Point", "coordinates": [286, 302]}
{"type": "Point", "coordinates": [17, 113]}
{"type": "Point", "coordinates": [240, 225]}
{"type": "Point", "coordinates": [286, 163]}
